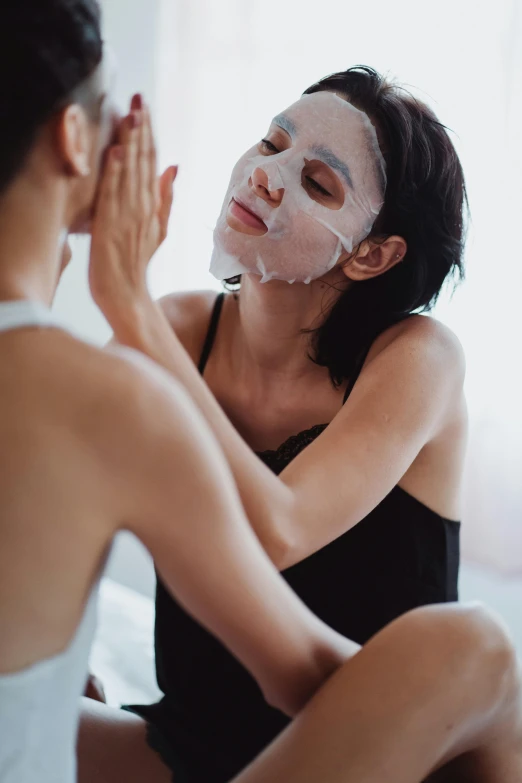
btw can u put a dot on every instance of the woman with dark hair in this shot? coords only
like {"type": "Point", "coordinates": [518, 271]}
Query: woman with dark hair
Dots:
{"type": "Point", "coordinates": [334, 383]}
{"type": "Point", "coordinates": [94, 441]}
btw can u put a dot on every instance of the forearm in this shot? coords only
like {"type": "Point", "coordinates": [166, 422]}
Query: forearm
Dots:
{"type": "Point", "coordinates": [268, 502]}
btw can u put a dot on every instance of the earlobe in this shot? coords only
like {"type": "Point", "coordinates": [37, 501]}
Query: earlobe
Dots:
{"type": "Point", "coordinates": [74, 141]}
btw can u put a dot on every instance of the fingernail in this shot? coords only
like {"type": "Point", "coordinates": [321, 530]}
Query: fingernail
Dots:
{"type": "Point", "coordinates": [137, 102]}
{"type": "Point", "coordinates": [174, 172]}
{"type": "Point", "coordinates": [118, 152]}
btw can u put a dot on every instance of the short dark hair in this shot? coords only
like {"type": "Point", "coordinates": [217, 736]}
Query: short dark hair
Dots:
{"type": "Point", "coordinates": [48, 50]}
{"type": "Point", "coordinates": [425, 203]}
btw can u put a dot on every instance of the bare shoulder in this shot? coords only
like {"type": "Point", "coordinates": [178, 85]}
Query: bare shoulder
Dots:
{"type": "Point", "coordinates": [425, 341]}
{"type": "Point", "coordinates": [183, 306]}
{"type": "Point", "coordinates": [188, 312]}
{"type": "Point", "coordinates": [155, 439]}
{"type": "Point", "coordinates": [116, 400]}
{"type": "Point", "coordinates": [136, 391]}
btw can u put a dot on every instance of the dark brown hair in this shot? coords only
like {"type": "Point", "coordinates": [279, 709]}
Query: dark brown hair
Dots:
{"type": "Point", "coordinates": [425, 203]}
{"type": "Point", "coordinates": [48, 49]}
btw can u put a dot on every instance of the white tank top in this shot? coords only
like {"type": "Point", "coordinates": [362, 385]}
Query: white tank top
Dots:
{"type": "Point", "coordinates": [39, 706]}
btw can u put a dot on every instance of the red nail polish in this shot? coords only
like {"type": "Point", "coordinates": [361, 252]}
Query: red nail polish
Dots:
{"type": "Point", "coordinates": [137, 102]}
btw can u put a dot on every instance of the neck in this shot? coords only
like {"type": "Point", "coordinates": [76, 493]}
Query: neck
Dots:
{"type": "Point", "coordinates": [275, 317]}
{"type": "Point", "coordinates": [32, 235]}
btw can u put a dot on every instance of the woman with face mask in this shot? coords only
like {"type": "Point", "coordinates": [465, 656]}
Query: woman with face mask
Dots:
{"type": "Point", "coordinates": [338, 227]}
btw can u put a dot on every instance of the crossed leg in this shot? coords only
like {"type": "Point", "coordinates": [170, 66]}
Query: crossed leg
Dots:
{"type": "Point", "coordinates": [436, 693]}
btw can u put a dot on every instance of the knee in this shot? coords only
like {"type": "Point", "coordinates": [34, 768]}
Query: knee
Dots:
{"type": "Point", "coordinates": [472, 646]}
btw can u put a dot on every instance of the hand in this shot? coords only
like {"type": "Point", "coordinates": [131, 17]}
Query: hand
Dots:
{"type": "Point", "coordinates": [131, 216]}
{"type": "Point", "coordinates": [94, 689]}
{"type": "Point", "coordinates": [295, 688]}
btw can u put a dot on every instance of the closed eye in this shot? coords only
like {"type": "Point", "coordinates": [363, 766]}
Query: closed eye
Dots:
{"type": "Point", "coordinates": [316, 186]}
{"type": "Point", "coordinates": [268, 147]}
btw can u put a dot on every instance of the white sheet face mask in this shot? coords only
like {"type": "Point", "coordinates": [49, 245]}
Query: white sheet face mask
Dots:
{"type": "Point", "coordinates": [317, 194]}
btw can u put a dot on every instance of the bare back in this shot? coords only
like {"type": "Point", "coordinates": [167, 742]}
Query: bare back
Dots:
{"type": "Point", "coordinates": [58, 512]}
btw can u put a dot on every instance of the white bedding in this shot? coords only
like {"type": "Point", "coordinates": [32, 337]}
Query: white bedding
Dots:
{"type": "Point", "coordinates": [123, 655]}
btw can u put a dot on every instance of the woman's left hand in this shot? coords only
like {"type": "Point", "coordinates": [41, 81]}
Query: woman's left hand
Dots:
{"type": "Point", "coordinates": [131, 216]}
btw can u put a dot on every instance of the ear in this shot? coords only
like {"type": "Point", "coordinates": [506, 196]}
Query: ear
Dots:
{"type": "Point", "coordinates": [374, 258]}
{"type": "Point", "coordinates": [74, 139]}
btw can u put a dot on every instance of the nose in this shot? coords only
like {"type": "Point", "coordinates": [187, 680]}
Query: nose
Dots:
{"type": "Point", "coordinates": [260, 184]}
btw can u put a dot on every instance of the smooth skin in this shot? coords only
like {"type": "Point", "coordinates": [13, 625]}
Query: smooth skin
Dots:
{"type": "Point", "coordinates": [438, 689]}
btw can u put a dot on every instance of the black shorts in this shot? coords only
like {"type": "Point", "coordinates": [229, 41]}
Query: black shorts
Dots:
{"type": "Point", "coordinates": [158, 741]}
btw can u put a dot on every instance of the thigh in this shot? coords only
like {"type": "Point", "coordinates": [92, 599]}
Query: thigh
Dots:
{"type": "Point", "coordinates": [427, 689]}
{"type": "Point", "coordinates": [112, 748]}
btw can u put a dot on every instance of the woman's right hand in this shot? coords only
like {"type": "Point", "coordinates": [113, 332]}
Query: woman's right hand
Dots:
{"type": "Point", "coordinates": [293, 689]}
{"type": "Point", "coordinates": [131, 217]}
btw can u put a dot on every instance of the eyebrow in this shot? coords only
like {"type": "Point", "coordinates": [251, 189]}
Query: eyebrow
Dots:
{"type": "Point", "coordinates": [286, 124]}
{"type": "Point", "coordinates": [331, 159]}
{"type": "Point", "coordinates": [326, 155]}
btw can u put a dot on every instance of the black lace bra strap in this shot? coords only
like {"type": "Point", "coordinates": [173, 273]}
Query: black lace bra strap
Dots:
{"type": "Point", "coordinates": [211, 333]}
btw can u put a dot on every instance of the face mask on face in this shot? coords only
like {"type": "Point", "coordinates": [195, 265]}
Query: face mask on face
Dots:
{"type": "Point", "coordinates": [296, 203]}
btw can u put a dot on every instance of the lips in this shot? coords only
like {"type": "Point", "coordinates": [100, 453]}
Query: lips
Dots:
{"type": "Point", "coordinates": [245, 214]}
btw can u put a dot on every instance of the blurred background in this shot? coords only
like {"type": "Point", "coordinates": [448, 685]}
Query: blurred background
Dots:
{"type": "Point", "coordinates": [216, 73]}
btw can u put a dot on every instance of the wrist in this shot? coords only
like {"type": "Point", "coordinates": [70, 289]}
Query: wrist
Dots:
{"type": "Point", "coordinates": [290, 686]}
{"type": "Point", "coordinates": [128, 316]}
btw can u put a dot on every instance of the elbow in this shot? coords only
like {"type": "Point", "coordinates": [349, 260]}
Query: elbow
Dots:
{"type": "Point", "coordinates": [281, 541]}
{"type": "Point", "coordinates": [280, 551]}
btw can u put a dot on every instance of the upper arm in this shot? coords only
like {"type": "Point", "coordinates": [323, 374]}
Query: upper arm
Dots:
{"type": "Point", "coordinates": [399, 404]}
{"type": "Point", "coordinates": [182, 503]}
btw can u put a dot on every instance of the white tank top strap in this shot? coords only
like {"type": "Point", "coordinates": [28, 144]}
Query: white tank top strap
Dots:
{"type": "Point", "coordinates": [22, 313]}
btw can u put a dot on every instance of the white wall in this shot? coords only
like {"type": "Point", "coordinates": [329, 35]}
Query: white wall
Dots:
{"type": "Point", "coordinates": [131, 30]}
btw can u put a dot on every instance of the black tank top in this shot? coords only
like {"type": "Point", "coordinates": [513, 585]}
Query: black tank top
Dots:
{"type": "Point", "coordinates": [402, 555]}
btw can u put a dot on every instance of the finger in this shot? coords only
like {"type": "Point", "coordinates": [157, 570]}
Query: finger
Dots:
{"type": "Point", "coordinates": [107, 205]}
{"type": "Point", "coordinates": [152, 152]}
{"type": "Point", "coordinates": [137, 102]}
{"type": "Point", "coordinates": [166, 187]}
{"type": "Point", "coordinates": [129, 180]}
{"type": "Point", "coordinates": [126, 124]}
{"type": "Point", "coordinates": [126, 127]}
{"type": "Point", "coordinates": [148, 192]}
